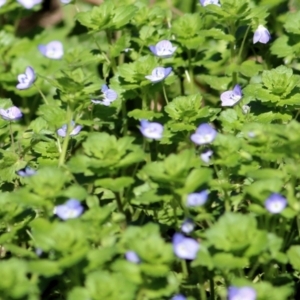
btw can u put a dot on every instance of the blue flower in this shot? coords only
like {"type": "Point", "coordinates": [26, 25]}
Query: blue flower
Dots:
{"type": "Point", "coordinates": [205, 156]}
{"type": "Point", "coordinates": [178, 297]}
{"type": "Point", "coordinates": [187, 226]}
{"type": "Point", "coordinates": [231, 97]}
{"type": "Point", "coordinates": [26, 80]}
{"type": "Point", "coordinates": [197, 199]}
{"type": "Point", "coordinates": [132, 257]}
{"type": "Point", "coordinates": [2, 2]}
{"type": "Point", "coordinates": [261, 35]}
{"type": "Point", "coordinates": [63, 130]}
{"type": "Point", "coordinates": [204, 134]}
{"type": "Point", "coordinates": [207, 2]}
{"type": "Point", "coordinates": [38, 251]}
{"type": "Point", "coordinates": [52, 50]}
{"type": "Point", "coordinates": [11, 114]}
{"type": "Point", "coordinates": [163, 49]}
{"type": "Point", "coordinates": [28, 4]}
{"type": "Point", "coordinates": [276, 203]}
{"type": "Point", "coordinates": [151, 130]}
{"type": "Point", "coordinates": [26, 172]}
{"type": "Point", "coordinates": [242, 293]}
{"type": "Point", "coordinates": [185, 248]}
{"type": "Point", "coordinates": [159, 74]}
{"type": "Point", "coordinates": [109, 96]}
{"type": "Point", "coordinates": [70, 210]}
{"type": "Point", "coordinates": [65, 1]}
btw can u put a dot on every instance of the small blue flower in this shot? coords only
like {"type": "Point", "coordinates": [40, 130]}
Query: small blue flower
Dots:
{"type": "Point", "coordinates": [231, 97]}
{"type": "Point", "coordinates": [2, 2]}
{"type": "Point", "coordinates": [204, 134]}
{"type": "Point", "coordinates": [65, 1]}
{"type": "Point", "coordinates": [205, 156]}
{"type": "Point", "coordinates": [163, 49]}
{"type": "Point", "coordinates": [207, 2]}
{"type": "Point", "coordinates": [185, 248]}
{"type": "Point", "coordinates": [132, 257]}
{"type": "Point", "coordinates": [151, 130]}
{"type": "Point", "coordinates": [109, 96]}
{"type": "Point", "coordinates": [70, 210]}
{"type": "Point", "coordinates": [26, 80]}
{"type": "Point", "coordinates": [63, 130]}
{"type": "Point", "coordinates": [38, 251]}
{"type": "Point", "coordinates": [197, 199]}
{"type": "Point", "coordinates": [261, 35]}
{"type": "Point", "coordinates": [26, 172]}
{"type": "Point", "coordinates": [187, 226]}
{"type": "Point", "coordinates": [28, 4]}
{"type": "Point", "coordinates": [52, 50]}
{"type": "Point", "coordinates": [276, 203]}
{"type": "Point", "coordinates": [11, 114]}
{"type": "Point", "coordinates": [178, 297]}
{"type": "Point", "coordinates": [242, 293]}
{"type": "Point", "coordinates": [159, 74]}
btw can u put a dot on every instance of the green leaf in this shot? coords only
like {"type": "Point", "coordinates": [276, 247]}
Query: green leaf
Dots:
{"type": "Point", "coordinates": [116, 184]}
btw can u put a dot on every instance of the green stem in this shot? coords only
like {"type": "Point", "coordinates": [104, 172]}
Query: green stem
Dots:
{"type": "Point", "coordinates": [184, 268]}
{"type": "Point", "coordinates": [64, 149]}
{"type": "Point", "coordinates": [165, 94]}
{"type": "Point", "coordinates": [12, 138]}
{"type": "Point", "coordinates": [124, 116]}
{"type": "Point", "coordinates": [243, 44]}
{"type": "Point", "coordinates": [42, 94]}
{"type": "Point", "coordinates": [191, 73]}
{"type": "Point", "coordinates": [232, 53]}
{"type": "Point", "coordinates": [212, 288]}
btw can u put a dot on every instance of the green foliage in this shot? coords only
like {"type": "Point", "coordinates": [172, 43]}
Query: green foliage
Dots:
{"type": "Point", "coordinates": [134, 189]}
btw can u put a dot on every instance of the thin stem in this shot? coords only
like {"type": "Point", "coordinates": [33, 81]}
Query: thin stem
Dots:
{"type": "Point", "coordinates": [42, 94]}
{"type": "Point", "coordinates": [243, 43]}
{"type": "Point", "coordinates": [165, 94]}
{"type": "Point", "coordinates": [63, 153]}
{"type": "Point", "coordinates": [124, 116]}
{"type": "Point", "coordinates": [232, 53]}
{"type": "Point", "coordinates": [212, 288]}
{"type": "Point", "coordinates": [12, 137]}
{"type": "Point", "coordinates": [184, 268]}
{"type": "Point", "coordinates": [119, 203]}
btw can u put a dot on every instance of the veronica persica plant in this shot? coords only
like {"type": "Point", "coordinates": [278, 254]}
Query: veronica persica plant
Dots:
{"type": "Point", "coordinates": [205, 134]}
{"type": "Point", "coordinates": [70, 210]}
{"type": "Point", "coordinates": [231, 97]}
{"type": "Point", "coordinates": [63, 130]}
{"type": "Point", "coordinates": [159, 74]}
{"type": "Point", "coordinates": [11, 114]}
{"type": "Point", "coordinates": [26, 172]}
{"type": "Point", "coordinates": [151, 130]}
{"type": "Point", "coordinates": [26, 79]}
{"type": "Point", "coordinates": [197, 199]}
{"type": "Point", "coordinates": [52, 50]}
{"type": "Point", "coordinates": [28, 4]}
{"type": "Point", "coordinates": [132, 257]}
{"type": "Point", "coordinates": [109, 96]}
{"type": "Point", "coordinates": [261, 35]}
{"type": "Point", "coordinates": [242, 293]}
{"type": "Point", "coordinates": [208, 2]}
{"type": "Point", "coordinates": [163, 49]}
{"type": "Point", "coordinates": [184, 247]}
{"type": "Point", "coordinates": [205, 156]}
{"type": "Point", "coordinates": [187, 226]}
{"type": "Point", "coordinates": [276, 203]}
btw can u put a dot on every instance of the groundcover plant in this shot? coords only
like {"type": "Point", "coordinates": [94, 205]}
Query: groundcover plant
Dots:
{"type": "Point", "coordinates": [150, 150]}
